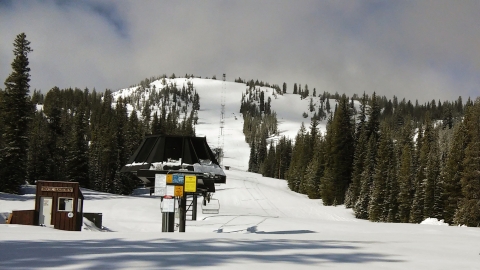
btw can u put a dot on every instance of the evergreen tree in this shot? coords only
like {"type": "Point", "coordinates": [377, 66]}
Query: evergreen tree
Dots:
{"type": "Point", "coordinates": [283, 155]}
{"type": "Point", "coordinates": [17, 112]}
{"type": "Point", "coordinates": [361, 205]}
{"type": "Point", "coordinates": [453, 171]}
{"type": "Point", "coordinates": [432, 183]}
{"type": "Point", "coordinates": [37, 149]}
{"type": "Point", "coordinates": [468, 212]}
{"type": "Point", "coordinates": [424, 145]}
{"type": "Point", "coordinates": [341, 152]}
{"type": "Point", "coordinates": [315, 169]}
{"type": "Point", "coordinates": [77, 159]}
{"type": "Point", "coordinates": [268, 166]}
{"type": "Point", "coordinates": [405, 174]}
{"type": "Point", "coordinates": [55, 112]}
{"type": "Point", "coordinates": [361, 143]}
{"type": "Point", "coordinates": [297, 166]}
{"type": "Point", "coordinates": [384, 165]}
{"type": "Point", "coordinates": [252, 161]}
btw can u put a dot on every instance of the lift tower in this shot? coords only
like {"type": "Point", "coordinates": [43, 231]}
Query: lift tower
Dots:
{"type": "Point", "coordinates": [221, 140]}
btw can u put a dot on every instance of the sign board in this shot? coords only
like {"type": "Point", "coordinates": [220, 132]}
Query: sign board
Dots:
{"type": "Point", "coordinates": [190, 183]}
{"type": "Point", "coordinates": [169, 178]}
{"type": "Point", "coordinates": [178, 191]}
{"type": "Point", "coordinates": [160, 184]}
{"type": "Point", "coordinates": [168, 205]}
{"type": "Point", "coordinates": [178, 179]}
{"type": "Point", "coordinates": [57, 189]}
{"type": "Point", "coordinates": [170, 190]}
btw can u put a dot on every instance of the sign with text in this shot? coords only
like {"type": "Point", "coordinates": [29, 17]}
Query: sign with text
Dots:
{"type": "Point", "coordinates": [177, 179]}
{"type": "Point", "coordinates": [170, 190]}
{"type": "Point", "coordinates": [160, 184]}
{"type": "Point", "coordinates": [168, 205]}
{"type": "Point", "coordinates": [190, 183]}
{"type": "Point", "coordinates": [57, 189]}
{"type": "Point", "coordinates": [169, 178]}
{"type": "Point", "coordinates": [178, 191]}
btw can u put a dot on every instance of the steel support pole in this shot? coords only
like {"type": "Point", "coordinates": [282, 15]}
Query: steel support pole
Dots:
{"type": "Point", "coordinates": [194, 209]}
{"type": "Point", "coordinates": [182, 215]}
{"type": "Point", "coordinates": [168, 222]}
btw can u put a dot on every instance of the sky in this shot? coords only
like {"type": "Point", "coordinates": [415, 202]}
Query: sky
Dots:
{"type": "Point", "coordinates": [418, 50]}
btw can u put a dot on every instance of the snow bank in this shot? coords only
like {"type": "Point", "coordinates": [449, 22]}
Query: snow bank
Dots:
{"type": "Point", "coordinates": [434, 221]}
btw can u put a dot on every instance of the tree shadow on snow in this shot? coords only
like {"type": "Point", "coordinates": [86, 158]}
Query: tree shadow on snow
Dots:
{"type": "Point", "coordinates": [254, 229]}
{"type": "Point", "coordinates": [182, 254]}
{"type": "Point", "coordinates": [15, 197]}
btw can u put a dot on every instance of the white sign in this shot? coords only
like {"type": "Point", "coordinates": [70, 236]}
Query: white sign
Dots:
{"type": "Point", "coordinates": [170, 190]}
{"type": "Point", "coordinates": [160, 184]}
{"type": "Point", "coordinates": [70, 215]}
{"type": "Point", "coordinates": [168, 205]}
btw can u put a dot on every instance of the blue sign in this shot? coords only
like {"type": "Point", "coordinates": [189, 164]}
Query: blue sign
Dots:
{"type": "Point", "coordinates": [178, 179]}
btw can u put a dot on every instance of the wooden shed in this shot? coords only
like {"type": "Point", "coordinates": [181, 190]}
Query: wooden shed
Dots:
{"type": "Point", "coordinates": [59, 205]}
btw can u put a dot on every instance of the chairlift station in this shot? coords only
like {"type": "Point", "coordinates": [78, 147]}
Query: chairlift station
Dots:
{"type": "Point", "coordinates": [179, 169]}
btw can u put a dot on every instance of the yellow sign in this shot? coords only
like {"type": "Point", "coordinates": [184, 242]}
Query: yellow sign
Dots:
{"type": "Point", "coordinates": [190, 183]}
{"type": "Point", "coordinates": [178, 191]}
{"type": "Point", "coordinates": [169, 178]}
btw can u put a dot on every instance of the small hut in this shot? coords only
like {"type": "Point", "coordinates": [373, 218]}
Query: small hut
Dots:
{"type": "Point", "coordinates": [59, 205]}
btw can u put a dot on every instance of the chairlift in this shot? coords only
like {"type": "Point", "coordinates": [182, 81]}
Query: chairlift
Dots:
{"type": "Point", "coordinates": [210, 205]}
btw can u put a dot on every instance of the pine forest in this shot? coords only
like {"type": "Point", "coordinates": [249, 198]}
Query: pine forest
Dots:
{"type": "Point", "coordinates": [389, 160]}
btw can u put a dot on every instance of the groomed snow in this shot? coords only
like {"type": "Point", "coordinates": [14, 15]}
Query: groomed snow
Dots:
{"type": "Point", "coordinates": [261, 225]}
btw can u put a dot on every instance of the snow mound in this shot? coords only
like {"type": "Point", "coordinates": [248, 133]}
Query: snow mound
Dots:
{"type": "Point", "coordinates": [90, 226]}
{"type": "Point", "coordinates": [434, 221]}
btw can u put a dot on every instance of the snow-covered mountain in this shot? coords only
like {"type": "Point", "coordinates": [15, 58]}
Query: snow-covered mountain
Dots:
{"type": "Point", "coordinates": [288, 107]}
{"type": "Point", "coordinates": [261, 224]}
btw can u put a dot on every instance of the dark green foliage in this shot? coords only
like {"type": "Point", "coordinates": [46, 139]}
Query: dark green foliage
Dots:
{"type": "Point", "coordinates": [361, 205]}
{"type": "Point", "coordinates": [268, 166]}
{"type": "Point", "coordinates": [283, 155]}
{"type": "Point", "coordinates": [315, 169]}
{"type": "Point", "coordinates": [405, 174]}
{"type": "Point", "coordinates": [298, 162]}
{"type": "Point", "coordinates": [16, 113]}
{"type": "Point", "coordinates": [37, 150]}
{"type": "Point", "coordinates": [341, 151]}
{"type": "Point", "coordinates": [361, 143]}
{"type": "Point", "coordinates": [432, 184]}
{"type": "Point", "coordinates": [453, 171]}
{"type": "Point", "coordinates": [468, 211]}
{"type": "Point", "coordinates": [252, 161]}
{"type": "Point", "coordinates": [77, 154]}
{"type": "Point", "coordinates": [378, 207]}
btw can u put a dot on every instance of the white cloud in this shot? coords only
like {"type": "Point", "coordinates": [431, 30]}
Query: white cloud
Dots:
{"type": "Point", "coordinates": [417, 50]}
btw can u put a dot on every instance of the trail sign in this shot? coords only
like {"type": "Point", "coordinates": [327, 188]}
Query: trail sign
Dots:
{"type": "Point", "coordinates": [178, 191]}
{"type": "Point", "coordinates": [169, 178]}
{"type": "Point", "coordinates": [190, 183]}
{"type": "Point", "coordinates": [170, 190]}
{"type": "Point", "coordinates": [168, 205]}
{"type": "Point", "coordinates": [178, 179]}
{"type": "Point", "coordinates": [160, 184]}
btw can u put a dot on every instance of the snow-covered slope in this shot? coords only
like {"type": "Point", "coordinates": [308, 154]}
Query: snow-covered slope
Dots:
{"type": "Point", "coordinates": [288, 107]}
{"type": "Point", "coordinates": [261, 224]}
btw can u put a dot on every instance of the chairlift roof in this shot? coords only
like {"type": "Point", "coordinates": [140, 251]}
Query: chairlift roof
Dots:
{"type": "Point", "coordinates": [174, 153]}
